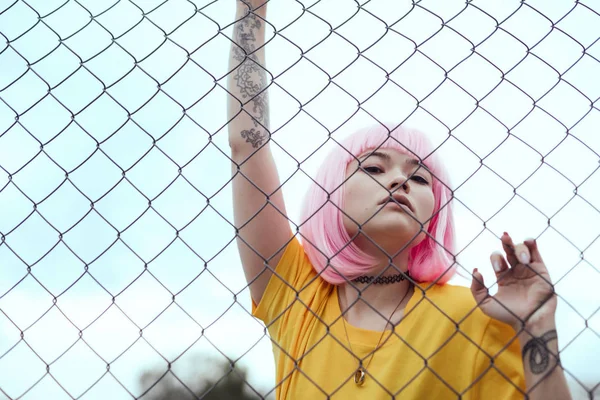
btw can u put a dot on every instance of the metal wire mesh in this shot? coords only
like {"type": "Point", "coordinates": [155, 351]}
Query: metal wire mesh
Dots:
{"type": "Point", "coordinates": [116, 232]}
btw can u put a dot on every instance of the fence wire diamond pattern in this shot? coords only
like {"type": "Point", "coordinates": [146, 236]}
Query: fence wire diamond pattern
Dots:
{"type": "Point", "coordinates": [117, 242]}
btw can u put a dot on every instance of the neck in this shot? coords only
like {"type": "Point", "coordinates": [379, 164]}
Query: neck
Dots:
{"type": "Point", "coordinates": [360, 311]}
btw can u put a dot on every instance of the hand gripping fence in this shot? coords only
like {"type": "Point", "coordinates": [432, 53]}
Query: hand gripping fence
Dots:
{"type": "Point", "coordinates": [119, 271]}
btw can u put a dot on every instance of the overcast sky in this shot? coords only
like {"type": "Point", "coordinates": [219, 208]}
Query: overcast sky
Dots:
{"type": "Point", "coordinates": [517, 123]}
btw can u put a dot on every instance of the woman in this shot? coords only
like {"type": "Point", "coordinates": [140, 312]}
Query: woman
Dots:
{"type": "Point", "coordinates": [356, 302]}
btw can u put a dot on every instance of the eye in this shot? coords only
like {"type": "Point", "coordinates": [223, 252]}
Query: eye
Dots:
{"type": "Point", "coordinates": [420, 179]}
{"type": "Point", "coordinates": [373, 170]}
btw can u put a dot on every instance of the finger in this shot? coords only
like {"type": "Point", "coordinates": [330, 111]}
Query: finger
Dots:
{"type": "Point", "coordinates": [522, 253]}
{"type": "Point", "coordinates": [498, 263]}
{"type": "Point", "coordinates": [509, 249]}
{"type": "Point", "coordinates": [533, 250]}
{"type": "Point", "coordinates": [478, 288]}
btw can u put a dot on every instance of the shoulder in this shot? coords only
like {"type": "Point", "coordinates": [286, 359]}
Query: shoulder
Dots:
{"type": "Point", "coordinates": [452, 303]}
{"type": "Point", "coordinates": [458, 304]}
{"type": "Point", "coordinates": [293, 278]}
{"type": "Point", "coordinates": [449, 298]}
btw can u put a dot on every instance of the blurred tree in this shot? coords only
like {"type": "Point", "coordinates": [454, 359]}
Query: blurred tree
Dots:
{"type": "Point", "coordinates": [231, 386]}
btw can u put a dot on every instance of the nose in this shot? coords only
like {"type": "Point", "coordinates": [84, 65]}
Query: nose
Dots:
{"type": "Point", "coordinates": [400, 181]}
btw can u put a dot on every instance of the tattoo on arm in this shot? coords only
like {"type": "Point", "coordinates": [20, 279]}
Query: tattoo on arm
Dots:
{"type": "Point", "coordinates": [251, 79]}
{"type": "Point", "coordinates": [253, 136]}
{"type": "Point", "coordinates": [539, 355]}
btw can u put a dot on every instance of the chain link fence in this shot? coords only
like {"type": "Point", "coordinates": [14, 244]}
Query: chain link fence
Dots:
{"type": "Point", "coordinates": [118, 261]}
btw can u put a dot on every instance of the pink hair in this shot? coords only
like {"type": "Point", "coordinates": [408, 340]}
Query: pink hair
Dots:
{"type": "Point", "coordinates": [326, 242]}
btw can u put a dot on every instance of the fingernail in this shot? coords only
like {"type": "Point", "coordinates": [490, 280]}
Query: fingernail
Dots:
{"type": "Point", "coordinates": [523, 258]}
{"type": "Point", "coordinates": [474, 271]}
{"type": "Point", "coordinates": [496, 266]}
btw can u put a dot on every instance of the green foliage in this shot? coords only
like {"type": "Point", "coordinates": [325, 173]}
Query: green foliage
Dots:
{"type": "Point", "coordinates": [219, 381]}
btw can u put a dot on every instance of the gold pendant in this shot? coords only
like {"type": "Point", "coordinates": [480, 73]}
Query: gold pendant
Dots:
{"type": "Point", "coordinates": [359, 377]}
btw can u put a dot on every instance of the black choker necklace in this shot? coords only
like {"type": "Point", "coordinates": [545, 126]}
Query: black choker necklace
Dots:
{"type": "Point", "coordinates": [382, 280]}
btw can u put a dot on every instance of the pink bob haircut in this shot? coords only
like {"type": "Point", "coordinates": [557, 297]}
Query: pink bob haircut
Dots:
{"type": "Point", "coordinates": [324, 236]}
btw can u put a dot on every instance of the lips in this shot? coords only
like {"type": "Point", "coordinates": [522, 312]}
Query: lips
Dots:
{"type": "Point", "coordinates": [400, 199]}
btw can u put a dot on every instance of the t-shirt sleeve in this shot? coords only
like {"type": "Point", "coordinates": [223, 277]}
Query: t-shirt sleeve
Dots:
{"type": "Point", "coordinates": [292, 275]}
{"type": "Point", "coordinates": [498, 364]}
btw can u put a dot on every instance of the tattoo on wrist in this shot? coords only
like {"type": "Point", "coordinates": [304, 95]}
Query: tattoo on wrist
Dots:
{"type": "Point", "coordinates": [251, 78]}
{"type": "Point", "coordinates": [539, 354]}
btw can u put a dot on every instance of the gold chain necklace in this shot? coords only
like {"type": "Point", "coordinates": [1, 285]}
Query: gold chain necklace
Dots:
{"type": "Point", "coordinates": [360, 374]}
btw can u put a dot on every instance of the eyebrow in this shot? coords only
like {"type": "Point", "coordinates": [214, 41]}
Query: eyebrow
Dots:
{"type": "Point", "coordinates": [386, 157]}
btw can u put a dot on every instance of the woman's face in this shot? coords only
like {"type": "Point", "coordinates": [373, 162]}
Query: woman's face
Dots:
{"type": "Point", "coordinates": [376, 183]}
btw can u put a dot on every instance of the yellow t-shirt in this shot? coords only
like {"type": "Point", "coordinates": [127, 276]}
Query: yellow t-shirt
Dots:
{"type": "Point", "coordinates": [443, 347]}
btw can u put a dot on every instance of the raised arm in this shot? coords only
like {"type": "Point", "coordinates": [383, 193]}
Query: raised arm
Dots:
{"type": "Point", "coordinates": [259, 210]}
